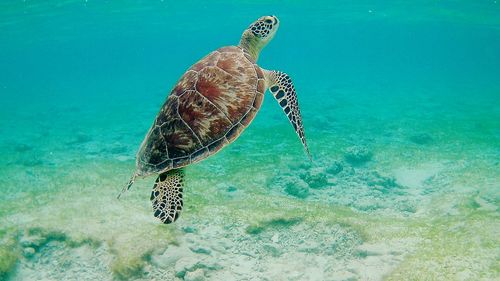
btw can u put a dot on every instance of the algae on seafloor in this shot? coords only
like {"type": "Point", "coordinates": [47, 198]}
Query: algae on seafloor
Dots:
{"type": "Point", "coordinates": [112, 225]}
{"type": "Point", "coordinates": [267, 212]}
{"type": "Point", "coordinates": [273, 223]}
{"type": "Point", "coordinates": [8, 260]}
{"type": "Point", "coordinates": [125, 267]}
{"type": "Point", "coordinates": [37, 237]}
{"type": "Point", "coordinates": [9, 253]}
{"type": "Point", "coordinates": [129, 258]}
{"type": "Point", "coordinates": [453, 244]}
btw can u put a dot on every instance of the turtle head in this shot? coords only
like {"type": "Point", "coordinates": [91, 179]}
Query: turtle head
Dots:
{"type": "Point", "coordinates": [258, 34]}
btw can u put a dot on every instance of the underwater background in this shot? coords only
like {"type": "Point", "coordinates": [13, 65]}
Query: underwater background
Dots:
{"type": "Point", "coordinates": [401, 106]}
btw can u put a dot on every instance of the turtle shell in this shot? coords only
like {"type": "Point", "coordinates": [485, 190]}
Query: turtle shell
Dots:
{"type": "Point", "coordinates": [209, 107]}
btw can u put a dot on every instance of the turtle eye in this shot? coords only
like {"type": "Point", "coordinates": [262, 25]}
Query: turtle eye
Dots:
{"type": "Point", "coordinates": [268, 21]}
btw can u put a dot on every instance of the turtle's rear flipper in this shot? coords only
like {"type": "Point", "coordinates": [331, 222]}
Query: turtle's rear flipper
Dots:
{"type": "Point", "coordinates": [281, 86]}
{"type": "Point", "coordinates": [166, 196]}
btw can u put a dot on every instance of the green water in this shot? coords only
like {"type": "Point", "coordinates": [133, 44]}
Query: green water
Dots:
{"type": "Point", "coordinates": [401, 107]}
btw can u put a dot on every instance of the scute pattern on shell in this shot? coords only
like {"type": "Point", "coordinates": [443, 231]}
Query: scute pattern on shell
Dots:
{"type": "Point", "coordinates": [209, 107]}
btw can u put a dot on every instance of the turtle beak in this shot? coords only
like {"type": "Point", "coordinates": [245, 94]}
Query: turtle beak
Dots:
{"type": "Point", "coordinates": [275, 20]}
{"type": "Point", "coordinates": [272, 19]}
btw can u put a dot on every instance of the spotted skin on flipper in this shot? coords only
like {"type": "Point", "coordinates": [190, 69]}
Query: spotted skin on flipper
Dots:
{"type": "Point", "coordinates": [166, 196]}
{"type": "Point", "coordinates": [282, 88]}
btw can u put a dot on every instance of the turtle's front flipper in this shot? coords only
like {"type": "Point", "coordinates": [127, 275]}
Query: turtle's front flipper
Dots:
{"type": "Point", "coordinates": [166, 196]}
{"type": "Point", "coordinates": [282, 88]}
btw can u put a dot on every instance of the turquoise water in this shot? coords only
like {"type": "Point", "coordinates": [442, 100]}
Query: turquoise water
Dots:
{"type": "Point", "coordinates": [401, 107]}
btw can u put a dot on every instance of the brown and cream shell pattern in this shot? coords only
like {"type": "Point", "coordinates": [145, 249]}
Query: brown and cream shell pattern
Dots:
{"type": "Point", "coordinates": [209, 107]}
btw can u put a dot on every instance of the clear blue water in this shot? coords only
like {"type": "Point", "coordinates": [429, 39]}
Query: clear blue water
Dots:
{"type": "Point", "coordinates": [401, 106]}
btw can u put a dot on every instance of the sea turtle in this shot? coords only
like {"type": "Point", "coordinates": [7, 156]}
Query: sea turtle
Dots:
{"type": "Point", "coordinates": [208, 108]}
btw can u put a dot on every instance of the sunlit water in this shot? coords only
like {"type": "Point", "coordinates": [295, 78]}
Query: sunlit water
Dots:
{"type": "Point", "coordinates": [401, 106]}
